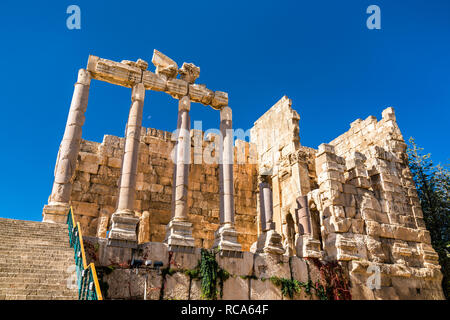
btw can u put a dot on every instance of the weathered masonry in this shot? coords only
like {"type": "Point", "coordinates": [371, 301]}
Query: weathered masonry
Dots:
{"type": "Point", "coordinates": [136, 76]}
{"type": "Point", "coordinates": [270, 205]}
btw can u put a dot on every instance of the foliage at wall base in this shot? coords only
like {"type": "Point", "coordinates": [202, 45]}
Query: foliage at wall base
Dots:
{"type": "Point", "coordinates": [334, 282]}
{"type": "Point", "coordinates": [210, 275]}
{"type": "Point", "coordinates": [289, 287]}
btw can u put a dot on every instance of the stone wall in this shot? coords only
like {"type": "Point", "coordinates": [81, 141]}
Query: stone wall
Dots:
{"type": "Point", "coordinates": [370, 212]}
{"type": "Point", "coordinates": [250, 276]}
{"type": "Point", "coordinates": [364, 208]}
{"type": "Point", "coordinates": [361, 205]}
{"type": "Point", "coordinates": [289, 165]}
{"type": "Point", "coordinates": [95, 187]}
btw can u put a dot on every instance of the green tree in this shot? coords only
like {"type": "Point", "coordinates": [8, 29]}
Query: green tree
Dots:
{"type": "Point", "coordinates": [433, 185]}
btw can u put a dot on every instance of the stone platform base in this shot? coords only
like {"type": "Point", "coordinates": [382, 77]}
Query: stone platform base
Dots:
{"type": "Point", "coordinates": [123, 230]}
{"type": "Point", "coordinates": [179, 235]}
{"type": "Point", "coordinates": [269, 242]}
{"type": "Point", "coordinates": [55, 213]}
{"type": "Point", "coordinates": [250, 274]}
{"type": "Point", "coordinates": [226, 239]}
{"type": "Point", "coordinates": [308, 247]}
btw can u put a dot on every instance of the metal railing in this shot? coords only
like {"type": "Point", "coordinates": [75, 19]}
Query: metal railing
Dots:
{"type": "Point", "coordinates": [88, 286]}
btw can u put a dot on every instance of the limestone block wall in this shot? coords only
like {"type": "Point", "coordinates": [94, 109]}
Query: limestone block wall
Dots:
{"type": "Point", "coordinates": [95, 187]}
{"type": "Point", "coordinates": [364, 208]}
{"type": "Point", "coordinates": [276, 133]}
{"type": "Point", "coordinates": [249, 276]}
{"type": "Point", "coordinates": [370, 212]}
{"type": "Point", "coordinates": [290, 166]}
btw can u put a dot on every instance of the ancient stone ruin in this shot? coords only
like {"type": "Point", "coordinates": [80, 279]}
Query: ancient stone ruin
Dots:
{"type": "Point", "coordinates": [272, 207]}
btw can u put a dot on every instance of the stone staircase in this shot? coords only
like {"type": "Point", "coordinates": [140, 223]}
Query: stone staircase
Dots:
{"type": "Point", "coordinates": [35, 261]}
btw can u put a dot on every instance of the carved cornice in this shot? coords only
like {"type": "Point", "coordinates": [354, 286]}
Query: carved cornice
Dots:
{"type": "Point", "coordinates": [128, 73]}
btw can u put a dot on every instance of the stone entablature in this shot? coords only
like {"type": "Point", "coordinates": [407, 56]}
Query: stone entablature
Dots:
{"type": "Point", "coordinates": [129, 73]}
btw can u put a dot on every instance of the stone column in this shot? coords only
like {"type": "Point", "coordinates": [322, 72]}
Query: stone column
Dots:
{"type": "Point", "coordinates": [179, 229]}
{"type": "Point", "coordinates": [270, 240]}
{"type": "Point", "coordinates": [304, 216]}
{"type": "Point", "coordinates": [226, 235]}
{"type": "Point", "coordinates": [307, 245]}
{"type": "Point", "coordinates": [174, 159]}
{"type": "Point", "coordinates": [265, 205]}
{"type": "Point", "coordinates": [58, 205]}
{"type": "Point", "coordinates": [124, 221]}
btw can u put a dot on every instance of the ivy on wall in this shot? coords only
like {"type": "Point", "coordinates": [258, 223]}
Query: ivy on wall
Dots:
{"type": "Point", "coordinates": [210, 274]}
{"type": "Point", "coordinates": [289, 287]}
{"type": "Point", "coordinates": [333, 283]}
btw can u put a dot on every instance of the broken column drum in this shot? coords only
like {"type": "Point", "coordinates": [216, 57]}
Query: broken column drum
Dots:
{"type": "Point", "coordinates": [270, 240]}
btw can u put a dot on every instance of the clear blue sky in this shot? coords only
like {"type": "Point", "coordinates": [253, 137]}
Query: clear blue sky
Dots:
{"type": "Point", "coordinates": [318, 53]}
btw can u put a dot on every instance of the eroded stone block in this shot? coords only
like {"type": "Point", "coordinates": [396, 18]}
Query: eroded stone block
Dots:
{"type": "Point", "coordinates": [268, 265]}
{"type": "Point", "coordinates": [264, 290]}
{"type": "Point", "coordinates": [236, 288]}
{"type": "Point", "coordinates": [176, 287]}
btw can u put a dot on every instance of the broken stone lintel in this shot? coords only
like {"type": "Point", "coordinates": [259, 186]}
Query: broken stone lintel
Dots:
{"type": "Point", "coordinates": [128, 73]}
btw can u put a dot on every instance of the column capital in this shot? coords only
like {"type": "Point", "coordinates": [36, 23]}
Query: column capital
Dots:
{"type": "Point", "coordinates": [184, 104]}
{"type": "Point", "coordinates": [84, 77]}
{"type": "Point", "coordinates": [189, 72]}
{"type": "Point", "coordinates": [138, 92]}
{"type": "Point", "coordinates": [226, 114]}
{"type": "Point", "coordinates": [263, 179]}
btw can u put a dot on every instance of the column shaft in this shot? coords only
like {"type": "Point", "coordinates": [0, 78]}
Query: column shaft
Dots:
{"type": "Point", "coordinates": [270, 240]}
{"type": "Point", "coordinates": [183, 155]}
{"type": "Point", "coordinates": [68, 151]}
{"type": "Point", "coordinates": [304, 215]}
{"type": "Point", "coordinates": [130, 158]}
{"type": "Point", "coordinates": [174, 159]}
{"type": "Point", "coordinates": [179, 229]}
{"type": "Point", "coordinates": [70, 144]}
{"type": "Point", "coordinates": [226, 168]}
{"type": "Point", "coordinates": [226, 235]}
{"type": "Point", "coordinates": [124, 221]}
{"type": "Point", "coordinates": [265, 196]}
